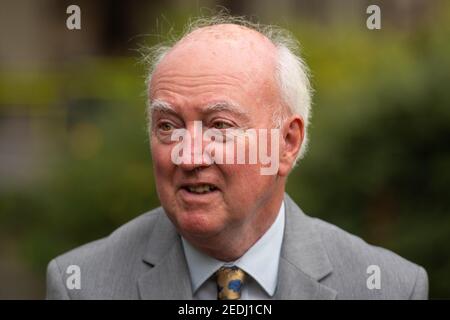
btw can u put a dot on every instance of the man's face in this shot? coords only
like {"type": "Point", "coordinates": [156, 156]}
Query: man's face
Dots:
{"type": "Point", "coordinates": [232, 68]}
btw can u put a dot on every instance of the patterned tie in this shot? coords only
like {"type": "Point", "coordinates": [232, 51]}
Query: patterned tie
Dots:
{"type": "Point", "coordinates": [229, 283]}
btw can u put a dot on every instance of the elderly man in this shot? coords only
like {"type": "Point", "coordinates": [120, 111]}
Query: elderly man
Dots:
{"type": "Point", "coordinates": [226, 229]}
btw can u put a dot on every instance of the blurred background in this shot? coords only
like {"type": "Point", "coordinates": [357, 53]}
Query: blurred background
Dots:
{"type": "Point", "coordinates": [74, 156]}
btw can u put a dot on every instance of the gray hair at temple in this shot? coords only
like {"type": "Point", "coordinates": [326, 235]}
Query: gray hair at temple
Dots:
{"type": "Point", "coordinates": [292, 74]}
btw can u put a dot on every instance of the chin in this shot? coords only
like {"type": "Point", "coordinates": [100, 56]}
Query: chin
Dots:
{"type": "Point", "coordinates": [199, 224]}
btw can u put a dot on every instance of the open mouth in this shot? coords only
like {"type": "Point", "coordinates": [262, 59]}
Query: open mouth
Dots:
{"type": "Point", "coordinates": [203, 188]}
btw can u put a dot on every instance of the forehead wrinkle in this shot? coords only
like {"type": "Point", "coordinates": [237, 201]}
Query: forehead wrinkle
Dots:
{"type": "Point", "coordinates": [183, 91]}
{"type": "Point", "coordinates": [226, 106]}
{"type": "Point", "coordinates": [188, 81]}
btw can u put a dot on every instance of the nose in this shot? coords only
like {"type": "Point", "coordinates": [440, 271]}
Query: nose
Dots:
{"type": "Point", "coordinates": [194, 160]}
{"type": "Point", "coordinates": [193, 155]}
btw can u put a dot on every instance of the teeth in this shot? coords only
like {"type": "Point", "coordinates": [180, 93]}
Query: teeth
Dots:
{"type": "Point", "coordinates": [201, 188]}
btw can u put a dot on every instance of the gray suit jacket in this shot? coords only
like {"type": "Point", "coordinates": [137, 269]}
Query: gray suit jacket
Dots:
{"type": "Point", "coordinates": [144, 259]}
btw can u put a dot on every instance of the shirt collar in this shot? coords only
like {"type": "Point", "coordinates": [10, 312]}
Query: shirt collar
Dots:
{"type": "Point", "coordinates": [260, 261]}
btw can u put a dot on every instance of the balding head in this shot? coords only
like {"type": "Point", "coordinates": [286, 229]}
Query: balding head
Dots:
{"type": "Point", "coordinates": [224, 42]}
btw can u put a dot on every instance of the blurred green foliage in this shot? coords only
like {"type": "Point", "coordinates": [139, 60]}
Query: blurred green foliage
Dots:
{"type": "Point", "coordinates": [378, 163]}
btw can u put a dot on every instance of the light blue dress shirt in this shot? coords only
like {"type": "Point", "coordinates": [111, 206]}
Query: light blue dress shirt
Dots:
{"type": "Point", "coordinates": [260, 262]}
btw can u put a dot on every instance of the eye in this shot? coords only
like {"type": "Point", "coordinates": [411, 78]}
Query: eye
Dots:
{"type": "Point", "coordinates": [165, 126]}
{"type": "Point", "coordinates": [221, 125]}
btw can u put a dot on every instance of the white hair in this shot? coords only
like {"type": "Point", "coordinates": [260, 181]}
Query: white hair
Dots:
{"type": "Point", "coordinates": [292, 74]}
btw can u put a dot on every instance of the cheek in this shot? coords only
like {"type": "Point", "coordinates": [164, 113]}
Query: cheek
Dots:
{"type": "Point", "coordinates": [162, 163]}
{"type": "Point", "coordinates": [245, 184]}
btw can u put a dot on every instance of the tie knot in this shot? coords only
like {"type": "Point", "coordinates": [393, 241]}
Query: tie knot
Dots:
{"type": "Point", "coordinates": [229, 283]}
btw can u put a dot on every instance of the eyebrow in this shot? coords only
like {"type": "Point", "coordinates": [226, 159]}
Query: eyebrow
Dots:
{"type": "Point", "coordinates": [226, 106]}
{"type": "Point", "coordinates": [161, 106]}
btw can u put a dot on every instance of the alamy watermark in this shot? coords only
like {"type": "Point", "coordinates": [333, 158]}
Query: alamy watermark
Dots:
{"type": "Point", "coordinates": [374, 280]}
{"type": "Point", "coordinates": [73, 281]}
{"type": "Point", "coordinates": [373, 22]}
{"type": "Point", "coordinates": [228, 146]}
{"type": "Point", "coordinates": [73, 21]}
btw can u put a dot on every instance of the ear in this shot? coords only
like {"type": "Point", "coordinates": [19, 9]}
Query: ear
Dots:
{"type": "Point", "coordinates": [292, 135]}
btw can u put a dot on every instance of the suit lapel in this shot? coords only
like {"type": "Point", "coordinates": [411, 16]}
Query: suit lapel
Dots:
{"type": "Point", "coordinates": [168, 276]}
{"type": "Point", "coordinates": [303, 261]}
{"type": "Point", "coordinates": [293, 284]}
